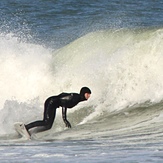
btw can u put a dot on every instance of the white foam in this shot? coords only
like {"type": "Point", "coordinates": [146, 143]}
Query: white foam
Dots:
{"type": "Point", "coordinates": [25, 76]}
{"type": "Point", "coordinates": [24, 69]}
{"type": "Point", "coordinates": [45, 155]}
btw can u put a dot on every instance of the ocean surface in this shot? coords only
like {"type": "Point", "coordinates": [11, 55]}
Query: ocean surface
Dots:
{"type": "Point", "coordinates": [114, 47]}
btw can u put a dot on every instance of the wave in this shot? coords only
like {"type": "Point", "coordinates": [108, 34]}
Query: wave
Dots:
{"type": "Point", "coordinates": [123, 68]}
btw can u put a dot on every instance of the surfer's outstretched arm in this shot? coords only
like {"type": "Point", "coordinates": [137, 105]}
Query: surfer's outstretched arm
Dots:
{"type": "Point", "coordinates": [64, 116]}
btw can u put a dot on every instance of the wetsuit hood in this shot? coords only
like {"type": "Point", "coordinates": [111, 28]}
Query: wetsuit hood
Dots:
{"type": "Point", "coordinates": [83, 91]}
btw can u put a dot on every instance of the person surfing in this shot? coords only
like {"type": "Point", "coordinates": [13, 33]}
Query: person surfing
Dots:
{"type": "Point", "coordinates": [64, 100]}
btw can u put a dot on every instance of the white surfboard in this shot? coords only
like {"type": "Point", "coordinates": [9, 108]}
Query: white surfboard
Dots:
{"type": "Point", "coordinates": [20, 128]}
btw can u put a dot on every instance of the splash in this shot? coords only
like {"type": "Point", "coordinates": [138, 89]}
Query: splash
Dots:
{"type": "Point", "coordinates": [24, 69]}
{"type": "Point", "coordinates": [25, 74]}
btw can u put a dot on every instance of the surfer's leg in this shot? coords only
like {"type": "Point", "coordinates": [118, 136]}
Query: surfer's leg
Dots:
{"type": "Point", "coordinates": [34, 124]}
{"type": "Point", "coordinates": [46, 123]}
{"type": "Point", "coordinates": [49, 118]}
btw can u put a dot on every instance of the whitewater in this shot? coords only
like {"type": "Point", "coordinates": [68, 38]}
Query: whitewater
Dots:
{"type": "Point", "coordinates": [122, 67]}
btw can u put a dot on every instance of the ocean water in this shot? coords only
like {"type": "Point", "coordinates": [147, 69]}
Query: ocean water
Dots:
{"type": "Point", "coordinates": [114, 47]}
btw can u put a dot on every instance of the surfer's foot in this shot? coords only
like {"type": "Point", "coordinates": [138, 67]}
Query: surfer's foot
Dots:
{"type": "Point", "coordinates": [27, 130]}
{"type": "Point", "coordinates": [24, 127]}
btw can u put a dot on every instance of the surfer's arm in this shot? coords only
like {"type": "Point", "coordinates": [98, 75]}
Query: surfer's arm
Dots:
{"type": "Point", "coordinates": [64, 116]}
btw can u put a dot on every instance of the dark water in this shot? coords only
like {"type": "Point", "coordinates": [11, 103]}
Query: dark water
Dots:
{"type": "Point", "coordinates": [56, 23]}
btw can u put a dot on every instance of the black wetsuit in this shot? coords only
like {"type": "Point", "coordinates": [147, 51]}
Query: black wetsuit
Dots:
{"type": "Point", "coordinates": [65, 100]}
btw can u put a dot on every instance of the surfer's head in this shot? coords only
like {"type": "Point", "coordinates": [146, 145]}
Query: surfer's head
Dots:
{"type": "Point", "coordinates": [85, 93]}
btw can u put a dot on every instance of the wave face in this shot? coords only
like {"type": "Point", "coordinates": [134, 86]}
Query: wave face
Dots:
{"type": "Point", "coordinates": [123, 68]}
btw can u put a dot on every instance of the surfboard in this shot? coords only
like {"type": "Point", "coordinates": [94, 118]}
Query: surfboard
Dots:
{"type": "Point", "coordinates": [20, 128]}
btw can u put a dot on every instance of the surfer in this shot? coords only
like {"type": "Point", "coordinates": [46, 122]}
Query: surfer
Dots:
{"type": "Point", "coordinates": [64, 100]}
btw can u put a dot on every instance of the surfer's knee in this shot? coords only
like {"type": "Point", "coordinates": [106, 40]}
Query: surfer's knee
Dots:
{"type": "Point", "coordinates": [48, 126]}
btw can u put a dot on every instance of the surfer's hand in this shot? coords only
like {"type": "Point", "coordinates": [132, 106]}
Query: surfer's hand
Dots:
{"type": "Point", "coordinates": [67, 123]}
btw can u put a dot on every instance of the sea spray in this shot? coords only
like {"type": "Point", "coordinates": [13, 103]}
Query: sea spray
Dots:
{"type": "Point", "coordinates": [25, 76]}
